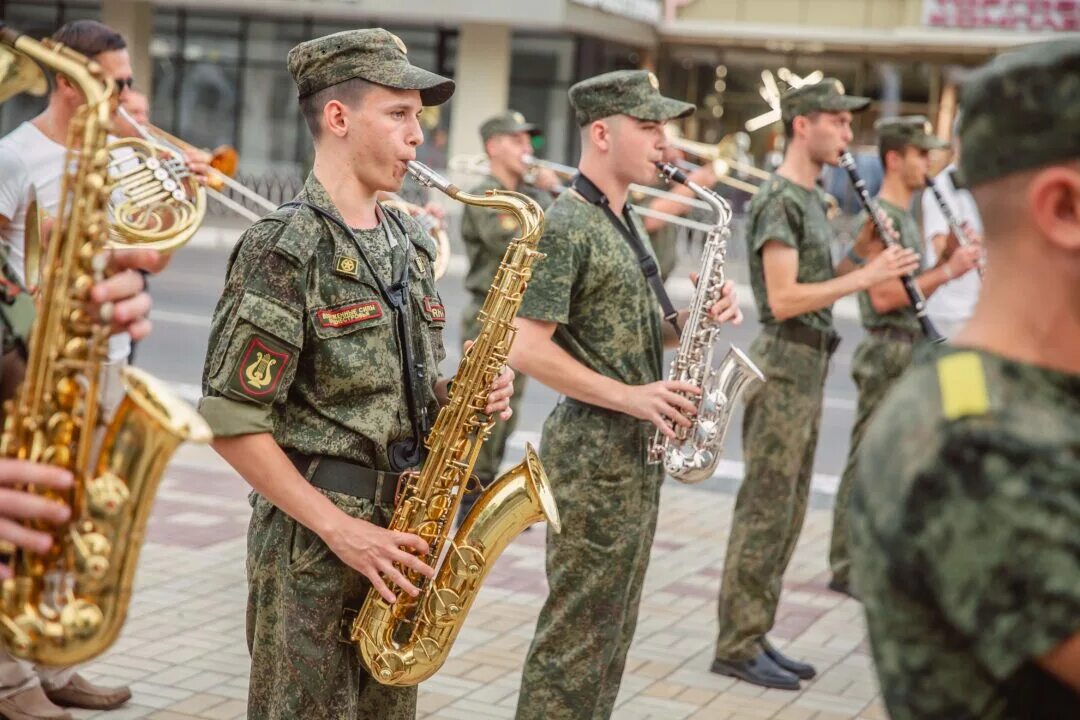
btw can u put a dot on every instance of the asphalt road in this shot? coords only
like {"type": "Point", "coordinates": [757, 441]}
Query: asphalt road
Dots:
{"type": "Point", "coordinates": [186, 292]}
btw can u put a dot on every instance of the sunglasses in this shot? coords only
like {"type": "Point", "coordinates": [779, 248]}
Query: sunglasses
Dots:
{"type": "Point", "coordinates": [121, 83]}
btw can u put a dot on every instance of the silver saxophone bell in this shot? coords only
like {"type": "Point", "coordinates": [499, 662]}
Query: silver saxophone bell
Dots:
{"type": "Point", "coordinates": [694, 453]}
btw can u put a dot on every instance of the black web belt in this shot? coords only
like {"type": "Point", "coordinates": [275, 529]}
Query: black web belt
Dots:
{"type": "Point", "coordinates": [592, 194]}
{"type": "Point", "coordinates": [406, 453]}
{"type": "Point", "coordinates": [348, 478]}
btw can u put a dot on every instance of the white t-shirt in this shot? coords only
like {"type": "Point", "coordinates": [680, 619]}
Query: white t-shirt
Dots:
{"type": "Point", "coordinates": [31, 161]}
{"type": "Point", "coordinates": [953, 303]}
{"type": "Point", "coordinates": [28, 159]}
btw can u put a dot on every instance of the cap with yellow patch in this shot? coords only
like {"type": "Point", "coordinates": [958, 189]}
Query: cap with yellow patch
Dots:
{"type": "Point", "coordinates": [507, 123]}
{"type": "Point", "coordinates": [625, 92]}
{"type": "Point", "coordinates": [828, 95]}
{"type": "Point", "coordinates": [375, 55]}
{"type": "Point", "coordinates": [910, 130]}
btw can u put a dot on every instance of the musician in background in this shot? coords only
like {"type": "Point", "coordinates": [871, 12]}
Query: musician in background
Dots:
{"type": "Point", "coordinates": [892, 330]}
{"type": "Point", "coordinates": [795, 285]}
{"type": "Point", "coordinates": [966, 504]}
{"type": "Point", "coordinates": [486, 234]}
{"type": "Point", "coordinates": [953, 304]}
{"type": "Point", "coordinates": [590, 327]}
{"type": "Point", "coordinates": [31, 166]}
{"type": "Point", "coordinates": [137, 107]}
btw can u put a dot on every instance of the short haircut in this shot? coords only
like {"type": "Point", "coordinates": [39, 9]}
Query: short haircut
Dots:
{"type": "Point", "coordinates": [349, 93]}
{"type": "Point", "coordinates": [890, 144]}
{"type": "Point", "coordinates": [89, 37]}
{"type": "Point", "coordinates": [789, 125]}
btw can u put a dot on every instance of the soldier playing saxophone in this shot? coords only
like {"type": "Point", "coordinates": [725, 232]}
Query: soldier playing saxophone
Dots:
{"type": "Point", "coordinates": [319, 377]}
{"type": "Point", "coordinates": [591, 328]}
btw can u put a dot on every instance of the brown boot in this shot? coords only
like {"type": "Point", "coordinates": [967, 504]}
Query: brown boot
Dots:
{"type": "Point", "coordinates": [81, 693]}
{"type": "Point", "coordinates": [31, 704]}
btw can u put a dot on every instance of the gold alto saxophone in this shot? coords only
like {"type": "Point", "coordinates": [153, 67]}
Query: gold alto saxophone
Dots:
{"type": "Point", "coordinates": [693, 455]}
{"type": "Point", "coordinates": [68, 605]}
{"type": "Point", "coordinates": [407, 642]}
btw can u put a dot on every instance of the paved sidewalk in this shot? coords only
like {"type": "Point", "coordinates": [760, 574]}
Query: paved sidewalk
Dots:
{"type": "Point", "coordinates": [184, 654]}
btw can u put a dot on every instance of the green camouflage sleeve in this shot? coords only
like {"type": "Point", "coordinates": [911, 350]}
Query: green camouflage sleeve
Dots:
{"type": "Point", "coordinates": [777, 220]}
{"type": "Point", "coordinates": [256, 335]}
{"type": "Point", "coordinates": [547, 297]}
{"type": "Point", "coordinates": [999, 537]}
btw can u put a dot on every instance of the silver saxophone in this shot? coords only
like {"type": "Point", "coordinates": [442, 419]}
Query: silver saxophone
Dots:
{"type": "Point", "coordinates": [692, 456]}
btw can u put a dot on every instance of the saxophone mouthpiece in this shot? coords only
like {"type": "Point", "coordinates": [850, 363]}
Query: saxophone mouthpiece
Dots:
{"type": "Point", "coordinates": [429, 178]}
{"type": "Point", "coordinates": [672, 173]}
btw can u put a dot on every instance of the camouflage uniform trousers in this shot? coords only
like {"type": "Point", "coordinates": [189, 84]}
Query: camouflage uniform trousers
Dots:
{"type": "Point", "coordinates": [608, 496]}
{"type": "Point", "coordinates": [491, 453]}
{"type": "Point", "coordinates": [302, 665]}
{"type": "Point", "coordinates": [780, 434]}
{"type": "Point", "coordinates": [876, 365]}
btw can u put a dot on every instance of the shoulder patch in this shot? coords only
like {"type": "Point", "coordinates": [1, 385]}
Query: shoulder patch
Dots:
{"type": "Point", "coordinates": [963, 386]}
{"type": "Point", "coordinates": [261, 367]}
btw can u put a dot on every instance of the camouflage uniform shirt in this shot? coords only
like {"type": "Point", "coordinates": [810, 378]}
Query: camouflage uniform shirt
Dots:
{"type": "Point", "coordinates": [591, 284]}
{"type": "Point", "coordinates": [964, 537]}
{"type": "Point", "coordinates": [487, 233]}
{"type": "Point", "coordinates": [303, 345]}
{"type": "Point", "coordinates": [795, 216]}
{"type": "Point", "coordinates": [910, 238]}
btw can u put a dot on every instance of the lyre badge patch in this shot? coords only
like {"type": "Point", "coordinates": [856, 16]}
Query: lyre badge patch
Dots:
{"type": "Point", "coordinates": [345, 265]}
{"type": "Point", "coordinates": [261, 368]}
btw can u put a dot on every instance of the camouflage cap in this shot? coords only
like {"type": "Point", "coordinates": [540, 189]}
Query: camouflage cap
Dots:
{"type": "Point", "coordinates": [827, 95]}
{"type": "Point", "coordinates": [507, 123]}
{"type": "Point", "coordinates": [1021, 111]}
{"type": "Point", "coordinates": [624, 92]}
{"type": "Point", "coordinates": [910, 130]}
{"type": "Point", "coordinates": [375, 55]}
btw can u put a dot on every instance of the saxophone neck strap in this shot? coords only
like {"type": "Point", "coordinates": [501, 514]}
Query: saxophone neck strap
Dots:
{"type": "Point", "coordinates": [410, 452]}
{"type": "Point", "coordinates": [626, 227]}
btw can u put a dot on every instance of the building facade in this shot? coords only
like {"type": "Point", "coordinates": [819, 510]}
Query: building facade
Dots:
{"type": "Point", "coordinates": [215, 69]}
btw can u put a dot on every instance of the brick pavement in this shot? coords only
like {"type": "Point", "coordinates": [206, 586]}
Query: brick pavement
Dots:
{"type": "Point", "coordinates": [183, 649]}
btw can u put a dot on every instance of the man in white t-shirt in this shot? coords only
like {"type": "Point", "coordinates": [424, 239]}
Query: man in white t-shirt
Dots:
{"type": "Point", "coordinates": [952, 305]}
{"type": "Point", "coordinates": [31, 166]}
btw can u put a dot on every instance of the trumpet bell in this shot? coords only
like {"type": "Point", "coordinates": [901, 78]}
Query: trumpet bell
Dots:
{"type": "Point", "coordinates": [19, 74]}
{"type": "Point", "coordinates": [157, 203]}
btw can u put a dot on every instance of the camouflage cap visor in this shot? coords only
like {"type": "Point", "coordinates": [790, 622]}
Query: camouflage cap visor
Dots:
{"type": "Point", "coordinates": [660, 109]}
{"type": "Point", "coordinates": [434, 89]}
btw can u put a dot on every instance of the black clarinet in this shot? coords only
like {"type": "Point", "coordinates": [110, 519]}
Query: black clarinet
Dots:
{"type": "Point", "coordinates": [954, 225]}
{"type": "Point", "coordinates": [918, 302]}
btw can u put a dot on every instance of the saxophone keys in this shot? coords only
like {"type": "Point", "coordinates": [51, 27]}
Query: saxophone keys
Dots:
{"type": "Point", "coordinates": [80, 619]}
{"type": "Point", "coordinates": [107, 494]}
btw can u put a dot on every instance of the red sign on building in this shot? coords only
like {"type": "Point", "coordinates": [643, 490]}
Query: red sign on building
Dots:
{"type": "Point", "coordinates": [1022, 15]}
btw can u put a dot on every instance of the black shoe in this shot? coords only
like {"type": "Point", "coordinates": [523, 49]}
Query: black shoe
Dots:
{"type": "Point", "coordinates": [841, 586]}
{"type": "Point", "coordinates": [804, 671]}
{"type": "Point", "coordinates": [758, 670]}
